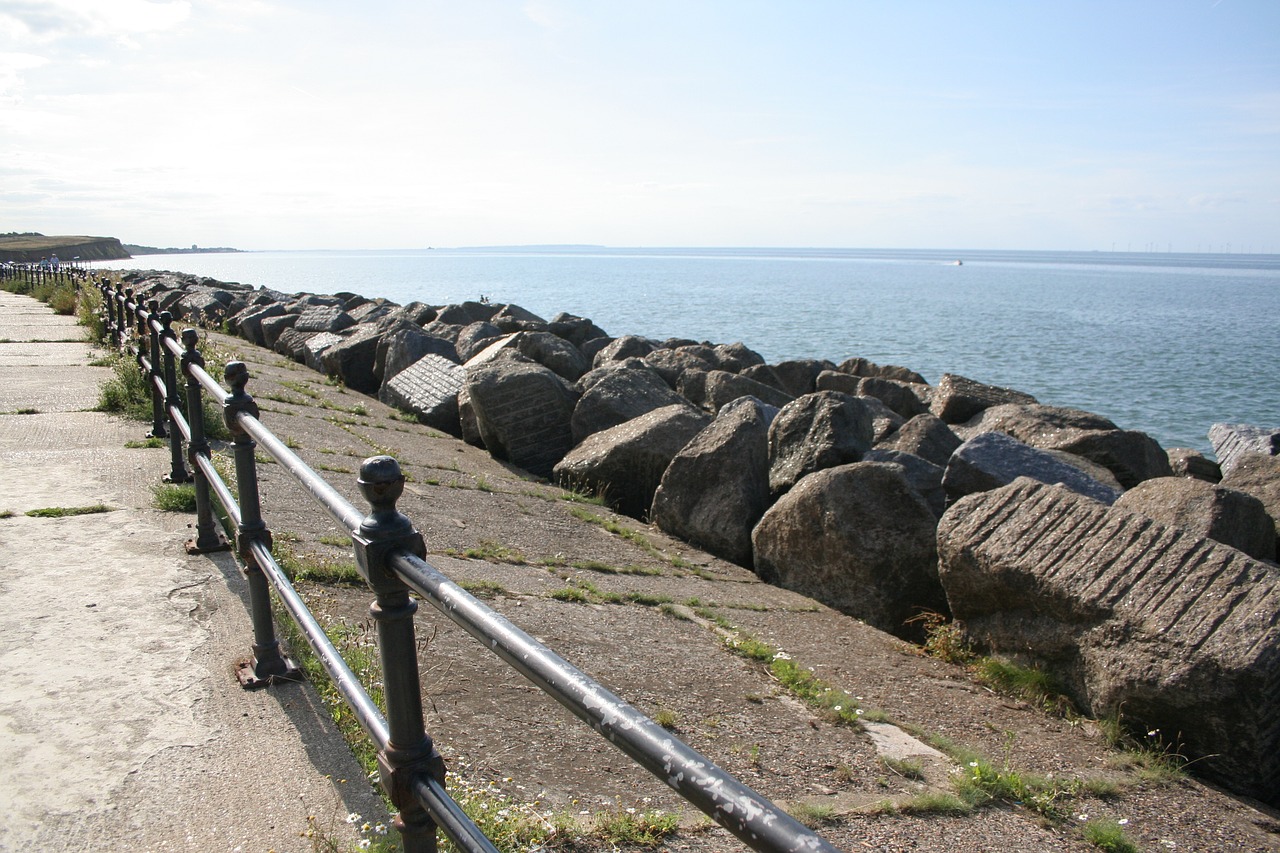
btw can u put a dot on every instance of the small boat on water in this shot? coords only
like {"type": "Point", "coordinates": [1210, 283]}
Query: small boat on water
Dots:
{"type": "Point", "coordinates": [957, 263]}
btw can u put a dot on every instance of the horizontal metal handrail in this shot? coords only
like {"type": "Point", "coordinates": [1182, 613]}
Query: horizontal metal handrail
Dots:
{"type": "Point", "coordinates": [391, 557]}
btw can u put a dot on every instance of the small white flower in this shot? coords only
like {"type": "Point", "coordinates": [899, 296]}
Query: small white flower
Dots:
{"type": "Point", "coordinates": [353, 817]}
{"type": "Point", "coordinates": [1082, 817]}
{"type": "Point", "coordinates": [858, 712]}
{"type": "Point", "coordinates": [781, 656]}
{"type": "Point", "coordinates": [1124, 821]}
{"type": "Point", "coordinates": [381, 829]}
{"type": "Point", "coordinates": [837, 708]}
{"type": "Point", "coordinates": [364, 844]}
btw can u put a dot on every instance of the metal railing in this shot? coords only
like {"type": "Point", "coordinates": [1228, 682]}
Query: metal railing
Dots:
{"type": "Point", "coordinates": [390, 555]}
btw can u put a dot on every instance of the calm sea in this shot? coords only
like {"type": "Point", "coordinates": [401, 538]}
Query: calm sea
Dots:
{"type": "Point", "coordinates": [1163, 343]}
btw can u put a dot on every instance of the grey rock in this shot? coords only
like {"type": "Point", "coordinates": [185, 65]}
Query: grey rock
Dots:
{"type": "Point", "coordinates": [899, 396]}
{"type": "Point", "coordinates": [835, 380]}
{"type": "Point", "coordinates": [862, 367]}
{"type": "Point", "coordinates": [799, 376]}
{"type": "Point", "coordinates": [1206, 511]}
{"type": "Point", "coordinates": [292, 343]}
{"type": "Point", "coordinates": [1258, 474]}
{"type": "Point", "coordinates": [404, 345]}
{"type": "Point", "coordinates": [816, 431]}
{"type": "Point", "coordinates": [992, 459]}
{"type": "Point", "coordinates": [1131, 456]}
{"type": "Point", "coordinates": [926, 436]}
{"type": "Point", "coordinates": [314, 348]}
{"type": "Point", "coordinates": [625, 463]}
{"type": "Point", "coordinates": [717, 487]}
{"type": "Point", "coordinates": [552, 352]}
{"type": "Point", "coordinates": [249, 321]}
{"type": "Point", "coordinates": [1231, 440]}
{"type": "Point", "coordinates": [617, 395]}
{"type": "Point", "coordinates": [735, 357]}
{"type": "Point", "coordinates": [466, 313]}
{"type": "Point", "coordinates": [522, 410]}
{"type": "Point", "coordinates": [274, 327]}
{"type": "Point", "coordinates": [957, 399]}
{"type": "Point", "coordinates": [352, 359]}
{"type": "Point", "coordinates": [429, 389]}
{"type": "Point", "coordinates": [627, 346]}
{"type": "Point", "coordinates": [323, 318]}
{"type": "Point", "coordinates": [1135, 618]}
{"type": "Point", "coordinates": [857, 538]}
{"type": "Point", "coordinates": [670, 363]}
{"type": "Point", "coordinates": [475, 337]}
{"type": "Point", "coordinates": [1186, 462]}
{"type": "Point", "coordinates": [922, 475]}
{"type": "Point", "coordinates": [576, 330]}
{"type": "Point", "coordinates": [722, 387]}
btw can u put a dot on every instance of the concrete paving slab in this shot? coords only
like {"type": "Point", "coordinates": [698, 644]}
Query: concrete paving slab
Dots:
{"type": "Point", "coordinates": [122, 726]}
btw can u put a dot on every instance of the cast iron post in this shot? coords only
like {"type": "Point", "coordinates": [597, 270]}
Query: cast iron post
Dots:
{"type": "Point", "coordinates": [410, 751]}
{"type": "Point", "coordinates": [208, 536]}
{"type": "Point", "coordinates": [267, 664]}
{"type": "Point", "coordinates": [157, 400]}
{"type": "Point", "coordinates": [177, 469]}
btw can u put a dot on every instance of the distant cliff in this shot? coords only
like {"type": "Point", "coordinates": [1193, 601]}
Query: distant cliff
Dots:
{"type": "Point", "coordinates": [31, 248]}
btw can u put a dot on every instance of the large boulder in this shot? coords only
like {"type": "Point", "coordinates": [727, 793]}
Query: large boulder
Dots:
{"type": "Point", "coordinates": [249, 321]}
{"type": "Point", "coordinates": [862, 367]}
{"type": "Point", "coordinates": [323, 318]}
{"type": "Point", "coordinates": [404, 345]}
{"type": "Point", "coordinates": [475, 337]}
{"type": "Point", "coordinates": [1131, 456]}
{"type": "Point", "coordinates": [466, 313]}
{"type": "Point", "coordinates": [816, 431]}
{"type": "Point", "coordinates": [957, 399]}
{"type": "Point", "coordinates": [274, 327]}
{"type": "Point", "coordinates": [552, 352]}
{"type": "Point", "coordinates": [836, 380]}
{"type": "Point", "coordinates": [735, 357]}
{"type": "Point", "coordinates": [722, 387]}
{"type": "Point", "coordinates": [858, 538]}
{"type": "Point", "coordinates": [1135, 619]}
{"type": "Point", "coordinates": [903, 397]}
{"type": "Point", "coordinates": [315, 347]}
{"type": "Point", "coordinates": [522, 411]}
{"type": "Point", "coordinates": [1188, 462]}
{"type": "Point", "coordinates": [670, 363]}
{"type": "Point", "coordinates": [291, 343]}
{"type": "Point", "coordinates": [513, 318]}
{"type": "Point", "coordinates": [624, 464]}
{"type": "Point", "coordinates": [352, 359]}
{"type": "Point", "coordinates": [429, 389]}
{"type": "Point", "coordinates": [574, 329]}
{"type": "Point", "coordinates": [922, 475]}
{"type": "Point", "coordinates": [615, 396]}
{"type": "Point", "coordinates": [627, 346]}
{"type": "Point", "coordinates": [992, 459]}
{"type": "Point", "coordinates": [926, 436]}
{"type": "Point", "coordinates": [1258, 474]}
{"type": "Point", "coordinates": [1231, 440]}
{"type": "Point", "coordinates": [798, 376]}
{"type": "Point", "coordinates": [717, 487]}
{"type": "Point", "coordinates": [1207, 511]}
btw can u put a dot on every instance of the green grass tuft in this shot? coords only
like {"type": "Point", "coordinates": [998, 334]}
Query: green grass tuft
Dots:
{"type": "Point", "coordinates": [66, 511]}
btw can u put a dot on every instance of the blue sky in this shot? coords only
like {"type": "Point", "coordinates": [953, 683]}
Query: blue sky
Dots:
{"type": "Point", "coordinates": [314, 123]}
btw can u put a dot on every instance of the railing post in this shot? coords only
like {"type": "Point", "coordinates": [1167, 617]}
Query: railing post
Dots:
{"type": "Point", "coordinates": [157, 401]}
{"type": "Point", "coordinates": [267, 664]}
{"type": "Point", "coordinates": [410, 750]}
{"type": "Point", "coordinates": [208, 535]}
{"type": "Point", "coordinates": [117, 320]}
{"type": "Point", "coordinates": [178, 469]}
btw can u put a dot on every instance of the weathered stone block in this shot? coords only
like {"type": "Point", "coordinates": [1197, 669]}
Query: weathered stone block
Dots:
{"type": "Point", "coordinates": [429, 388]}
{"type": "Point", "coordinates": [1136, 618]}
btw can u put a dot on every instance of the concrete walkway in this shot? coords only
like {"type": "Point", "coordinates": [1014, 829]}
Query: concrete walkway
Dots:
{"type": "Point", "coordinates": [122, 726]}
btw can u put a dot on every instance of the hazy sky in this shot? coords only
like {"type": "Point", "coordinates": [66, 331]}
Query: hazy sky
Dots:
{"type": "Point", "coordinates": [315, 123]}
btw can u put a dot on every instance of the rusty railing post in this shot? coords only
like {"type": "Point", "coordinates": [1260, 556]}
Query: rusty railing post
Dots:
{"type": "Point", "coordinates": [208, 535]}
{"type": "Point", "coordinates": [268, 663]}
{"type": "Point", "coordinates": [410, 750]}
{"type": "Point", "coordinates": [177, 469]}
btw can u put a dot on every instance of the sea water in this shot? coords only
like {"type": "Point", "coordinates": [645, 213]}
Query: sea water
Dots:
{"type": "Point", "coordinates": [1163, 343]}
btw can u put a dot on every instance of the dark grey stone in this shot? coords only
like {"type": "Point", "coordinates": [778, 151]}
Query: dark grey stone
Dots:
{"type": "Point", "coordinates": [1133, 617]}
{"type": "Point", "coordinates": [522, 410]}
{"type": "Point", "coordinates": [957, 399]}
{"type": "Point", "coordinates": [899, 396]}
{"type": "Point", "coordinates": [816, 431]}
{"type": "Point", "coordinates": [1211, 512]}
{"type": "Point", "coordinates": [429, 389]}
{"type": "Point", "coordinates": [618, 395]}
{"type": "Point", "coordinates": [323, 318]}
{"type": "Point", "coordinates": [926, 436]}
{"type": "Point", "coordinates": [624, 464]}
{"type": "Point", "coordinates": [1231, 440]}
{"type": "Point", "coordinates": [717, 487]}
{"type": "Point", "coordinates": [922, 475]}
{"type": "Point", "coordinates": [722, 388]}
{"type": "Point", "coordinates": [857, 538]}
{"type": "Point", "coordinates": [992, 459]}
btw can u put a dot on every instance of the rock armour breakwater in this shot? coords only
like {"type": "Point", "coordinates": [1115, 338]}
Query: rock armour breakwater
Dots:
{"type": "Point", "coordinates": [720, 448]}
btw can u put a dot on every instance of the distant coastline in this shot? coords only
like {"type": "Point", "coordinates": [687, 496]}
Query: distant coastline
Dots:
{"type": "Point", "coordinates": [135, 250]}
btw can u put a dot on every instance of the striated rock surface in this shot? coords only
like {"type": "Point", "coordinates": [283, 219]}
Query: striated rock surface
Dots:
{"type": "Point", "coordinates": [1136, 618]}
